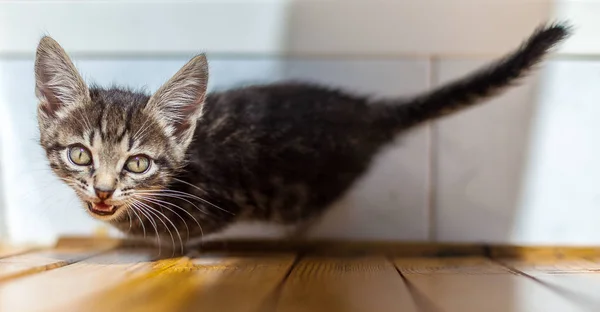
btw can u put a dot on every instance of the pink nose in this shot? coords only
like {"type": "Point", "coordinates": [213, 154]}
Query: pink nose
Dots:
{"type": "Point", "coordinates": [103, 194]}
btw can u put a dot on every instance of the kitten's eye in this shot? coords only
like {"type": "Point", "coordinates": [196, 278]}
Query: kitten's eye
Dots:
{"type": "Point", "coordinates": [80, 155]}
{"type": "Point", "coordinates": [137, 164]}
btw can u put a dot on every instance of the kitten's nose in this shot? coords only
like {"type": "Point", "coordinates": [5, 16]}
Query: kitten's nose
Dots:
{"type": "Point", "coordinates": [103, 194]}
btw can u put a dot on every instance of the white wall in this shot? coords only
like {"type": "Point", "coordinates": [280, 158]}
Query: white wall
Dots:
{"type": "Point", "coordinates": [519, 169]}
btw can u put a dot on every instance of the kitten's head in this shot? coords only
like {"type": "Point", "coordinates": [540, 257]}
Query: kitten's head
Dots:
{"type": "Point", "coordinates": [109, 144]}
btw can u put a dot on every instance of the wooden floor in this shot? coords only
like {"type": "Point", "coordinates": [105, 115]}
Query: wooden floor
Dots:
{"type": "Point", "coordinates": [106, 275]}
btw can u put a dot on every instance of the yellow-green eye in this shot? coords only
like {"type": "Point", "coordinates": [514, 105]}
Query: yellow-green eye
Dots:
{"type": "Point", "coordinates": [137, 164]}
{"type": "Point", "coordinates": [80, 155]}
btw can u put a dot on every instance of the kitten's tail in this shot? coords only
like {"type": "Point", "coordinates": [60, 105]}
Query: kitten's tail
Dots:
{"type": "Point", "coordinates": [484, 83]}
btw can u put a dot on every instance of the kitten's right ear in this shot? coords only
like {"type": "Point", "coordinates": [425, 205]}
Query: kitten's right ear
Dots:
{"type": "Point", "coordinates": [57, 82]}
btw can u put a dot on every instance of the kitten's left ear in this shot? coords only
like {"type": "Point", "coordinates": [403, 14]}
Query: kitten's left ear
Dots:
{"type": "Point", "coordinates": [178, 103]}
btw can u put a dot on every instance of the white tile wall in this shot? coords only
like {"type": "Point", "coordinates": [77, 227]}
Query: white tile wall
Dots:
{"type": "Point", "coordinates": [561, 184]}
{"type": "Point", "coordinates": [522, 168]}
{"type": "Point", "coordinates": [38, 207]}
{"type": "Point", "coordinates": [479, 161]}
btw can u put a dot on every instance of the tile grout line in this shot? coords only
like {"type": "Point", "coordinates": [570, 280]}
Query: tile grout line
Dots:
{"type": "Point", "coordinates": [432, 165]}
{"type": "Point", "coordinates": [184, 54]}
{"type": "Point", "coordinates": [3, 214]}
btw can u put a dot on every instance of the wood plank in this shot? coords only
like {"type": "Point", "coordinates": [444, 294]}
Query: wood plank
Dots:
{"type": "Point", "coordinates": [243, 283]}
{"type": "Point", "coordinates": [479, 284]}
{"type": "Point", "coordinates": [11, 250]}
{"type": "Point", "coordinates": [543, 252]}
{"type": "Point", "coordinates": [345, 284]}
{"type": "Point", "coordinates": [30, 263]}
{"type": "Point", "coordinates": [576, 278]}
{"type": "Point", "coordinates": [251, 281]}
{"type": "Point", "coordinates": [56, 290]}
{"type": "Point", "coordinates": [552, 265]}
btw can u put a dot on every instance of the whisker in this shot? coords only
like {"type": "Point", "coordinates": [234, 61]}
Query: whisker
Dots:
{"type": "Point", "coordinates": [85, 120]}
{"type": "Point", "coordinates": [171, 210]}
{"type": "Point", "coordinates": [142, 130]}
{"type": "Point", "coordinates": [150, 196]}
{"type": "Point", "coordinates": [81, 122]}
{"type": "Point", "coordinates": [73, 183]}
{"type": "Point", "coordinates": [177, 196]}
{"type": "Point", "coordinates": [200, 198]}
{"type": "Point", "coordinates": [70, 180]}
{"type": "Point", "coordinates": [127, 208]}
{"type": "Point", "coordinates": [196, 197]}
{"type": "Point", "coordinates": [157, 213]}
{"type": "Point", "coordinates": [141, 211]}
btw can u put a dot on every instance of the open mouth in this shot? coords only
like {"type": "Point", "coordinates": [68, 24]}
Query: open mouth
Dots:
{"type": "Point", "coordinates": [101, 209]}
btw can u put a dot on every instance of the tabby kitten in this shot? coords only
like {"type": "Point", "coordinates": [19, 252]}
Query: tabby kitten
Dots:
{"type": "Point", "coordinates": [182, 163]}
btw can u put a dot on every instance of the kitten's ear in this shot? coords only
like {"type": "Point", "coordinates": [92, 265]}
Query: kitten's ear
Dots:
{"type": "Point", "coordinates": [178, 103]}
{"type": "Point", "coordinates": [57, 82]}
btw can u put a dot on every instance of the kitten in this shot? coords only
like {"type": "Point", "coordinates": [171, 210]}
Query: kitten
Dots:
{"type": "Point", "coordinates": [182, 163]}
